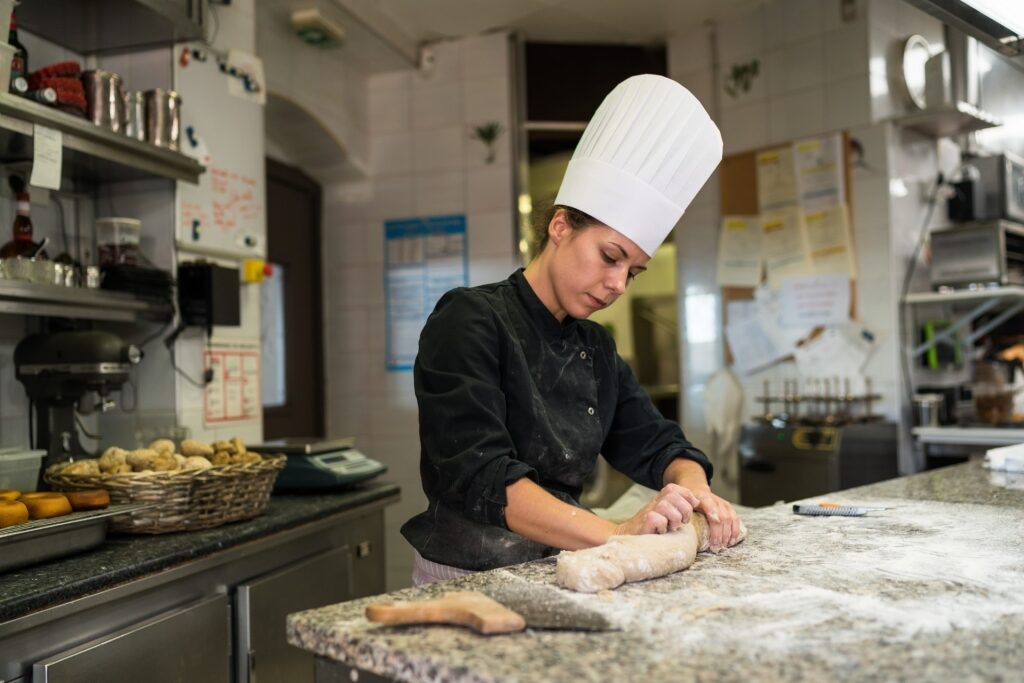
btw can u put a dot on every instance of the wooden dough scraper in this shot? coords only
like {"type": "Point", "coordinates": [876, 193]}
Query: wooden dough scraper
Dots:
{"type": "Point", "coordinates": [503, 609]}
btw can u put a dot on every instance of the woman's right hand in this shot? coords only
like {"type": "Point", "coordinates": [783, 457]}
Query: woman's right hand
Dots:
{"type": "Point", "coordinates": [667, 511]}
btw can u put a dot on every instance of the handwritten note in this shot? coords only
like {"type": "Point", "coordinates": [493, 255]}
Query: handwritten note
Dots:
{"type": "Point", "coordinates": [816, 300]}
{"type": "Point", "coordinates": [47, 157]}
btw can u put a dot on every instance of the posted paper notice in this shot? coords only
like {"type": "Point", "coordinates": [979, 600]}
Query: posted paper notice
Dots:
{"type": "Point", "coordinates": [819, 169]}
{"type": "Point", "coordinates": [812, 301]}
{"type": "Point", "coordinates": [776, 178]}
{"type": "Point", "coordinates": [828, 238]}
{"type": "Point", "coordinates": [47, 157]}
{"type": "Point", "coordinates": [783, 244]}
{"type": "Point", "coordinates": [739, 252]}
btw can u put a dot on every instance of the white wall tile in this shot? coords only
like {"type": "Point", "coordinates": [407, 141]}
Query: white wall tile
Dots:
{"type": "Point", "coordinates": [390, 109]}
{"type": "Point", "coordinates": [447, 66]}
{"type": "Point", "coordinates": [741, 36]}
{"type": "Point", "coordinates": [690, 51]}
{"type": "Point", "coordinates": [834, 12]}
{"type": "Point", "coordinates": [437, 105]}
{"type": "Point", "coordinates": [486, 100]}
{"type": "Point", "coordinates": [773, 64]}
{"type": "Point", "coordinates": [803, 64]}
{"type": "Point", "coordinates": [491, 233]}
{"type": "Point", "coordinates": [701, 83]}
{"type": "Point", "coordinates": [884, 102]}
{"type": "Point", "coordinates": [778, 123]}
{"type": "Point", "coordinates": [439, 148]}
{"type": "Point", "coordinates": [846, 51]}
{"type": "Point", "coordinates": [14, 432]}
{"type": "Point", "coordinates": [805, 113]}
{"type": "Point", "coordinates": [847, 103]}
{"type": "Point", "coordinates": [13, 402]}
{"type": "Point", "coordinates": [362, 286]}
{"type": "Point", "coordinates": [391, 80]}
{"type": "Point", "coordinates": [348, 330]}
{"type": "Point", "coordinates": [477, 155]}
{"type": "Point", "coordinates": [489, 189]}
{"type": "Point", "coordinates": [440, 193]}
{"type": "Point", "coordinates": [485, 56]}
{"type": "Point", "coordinates": [486, 269]}
{"type": "Point", "coordinates": [393, 197]}
{"type": "Point", "coordinates": [391, 153]}
{"type": "Point", "coordinates": [744, 128]}
{"type": "Point", "coordinates": [804, 18]}
{"type": "Point", "coordinates": [774, 17]}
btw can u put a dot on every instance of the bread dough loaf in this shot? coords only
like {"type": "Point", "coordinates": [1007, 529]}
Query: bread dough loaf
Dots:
{"type": "Point", "coordinates": [633, 558]}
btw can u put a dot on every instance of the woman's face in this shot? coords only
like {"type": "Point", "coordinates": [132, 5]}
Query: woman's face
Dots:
{"type": "Point", "coordinates": [592, 266]}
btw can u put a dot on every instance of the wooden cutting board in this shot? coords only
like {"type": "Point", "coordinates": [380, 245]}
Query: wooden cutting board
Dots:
{"type": "Point", "coordinates": [502, 608]}
{"type": "Point", "coordinates": [462, 608]}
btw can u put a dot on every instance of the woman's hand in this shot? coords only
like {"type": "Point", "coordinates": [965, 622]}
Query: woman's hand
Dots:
{"type": "Point", "coordinates": [667, 511]}
{"type": "Point", "coordinates": [723, 522]}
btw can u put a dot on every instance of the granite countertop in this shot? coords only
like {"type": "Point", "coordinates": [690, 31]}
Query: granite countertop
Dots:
{"type": "Point", "coordinates": [123, 557]}
{"type": "Point", "coordinates": [930, 589]}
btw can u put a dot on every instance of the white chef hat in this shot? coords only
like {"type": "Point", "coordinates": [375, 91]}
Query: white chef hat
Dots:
{"type": "Point", "coordinates": [644, 155]}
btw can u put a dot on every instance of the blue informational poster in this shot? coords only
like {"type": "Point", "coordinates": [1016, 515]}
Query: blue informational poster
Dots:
{"type": "Point", "coordinates": [423, 259]}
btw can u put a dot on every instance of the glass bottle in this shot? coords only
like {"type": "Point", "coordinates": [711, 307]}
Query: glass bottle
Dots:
{"type": "Point", "coordinates": [22, 242]}
{"type": "Point", "coordinates": [19, 61]}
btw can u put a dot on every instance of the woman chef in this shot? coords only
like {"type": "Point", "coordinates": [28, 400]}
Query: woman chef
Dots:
{"type": "Point", "coordinates": [518, 393]}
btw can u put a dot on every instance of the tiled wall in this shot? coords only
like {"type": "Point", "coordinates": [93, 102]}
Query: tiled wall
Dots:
{"type": "Point", "coordinates": [422, 163]}
{"type": "Point", "coordinates": [819, 72]}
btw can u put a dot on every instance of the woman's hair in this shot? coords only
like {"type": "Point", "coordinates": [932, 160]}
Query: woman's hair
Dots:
{"type": "Point", "coordinates": [576, 218]}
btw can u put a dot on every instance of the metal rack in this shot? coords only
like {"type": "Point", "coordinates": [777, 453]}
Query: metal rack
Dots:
{"type": "Point", "coordinates": [27, 298]}
{"type": "Point", "coordinates": [91, 152]}
{"type": "Point", "coordinates": [969, 436]}
{"type": "Point", "coordinates": [1009, 300]}
{"type": "Point", "coordinates": [826, 402]}
{"type": "Point", "coordinates": [1005, 302]}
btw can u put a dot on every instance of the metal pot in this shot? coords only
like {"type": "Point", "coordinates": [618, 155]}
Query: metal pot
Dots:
{"type": "Point", "coordinates": [163, 118]}
{"type": "Point", "coordinates": [135, 106]}
{"type": "Point", "coordinates": [926, 409]}
{"type": "Point", "coordinates": [104, 98]}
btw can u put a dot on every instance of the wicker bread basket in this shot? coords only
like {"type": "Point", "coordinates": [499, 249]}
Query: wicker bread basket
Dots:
{"type": "Point", "coordinates": [187, 499]}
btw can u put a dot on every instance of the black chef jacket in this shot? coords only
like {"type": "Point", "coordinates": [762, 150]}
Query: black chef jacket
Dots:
{"type": "Point", "coordinates": [506, 391]}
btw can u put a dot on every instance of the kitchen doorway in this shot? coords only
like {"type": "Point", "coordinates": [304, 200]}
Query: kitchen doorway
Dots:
{"type": "Point", "coordinates": [291, 311]}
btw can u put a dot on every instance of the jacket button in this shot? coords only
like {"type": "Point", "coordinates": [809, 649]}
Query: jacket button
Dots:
{"type": "Point", "coordinates": [583, 355]}
{"type": "Point", "coordinates": [590, 410]}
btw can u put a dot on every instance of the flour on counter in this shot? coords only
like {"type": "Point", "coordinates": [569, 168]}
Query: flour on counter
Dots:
{"type": "Point", "coordinates": [919, 568]}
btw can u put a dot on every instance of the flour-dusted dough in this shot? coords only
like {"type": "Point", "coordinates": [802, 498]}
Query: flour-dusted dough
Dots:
{"type": "Point", "coordinates": [633, 558]}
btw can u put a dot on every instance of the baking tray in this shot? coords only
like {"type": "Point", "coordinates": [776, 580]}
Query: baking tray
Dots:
{"type": "Point", "coordinates": [45, 539]}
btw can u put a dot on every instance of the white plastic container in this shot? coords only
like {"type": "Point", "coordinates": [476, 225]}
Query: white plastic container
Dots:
{"type": "Point", "coordinates": [118, 240]}
{"type": "Point", "coordinates": [19, 468]}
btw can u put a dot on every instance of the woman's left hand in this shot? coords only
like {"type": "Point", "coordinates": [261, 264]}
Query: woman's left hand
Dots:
{"type": "Point", "coordinates": [723, 522]}
{"type": "Point", "coordinates": [724, 529]}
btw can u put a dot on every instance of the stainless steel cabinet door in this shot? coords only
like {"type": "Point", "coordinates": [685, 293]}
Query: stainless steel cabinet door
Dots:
{"type": "Point", "coordinates": [190, 645]}
{"type": "Point", "coordinates": [369, 573]}
{"type": "Point", "coordinates": [263, 605]}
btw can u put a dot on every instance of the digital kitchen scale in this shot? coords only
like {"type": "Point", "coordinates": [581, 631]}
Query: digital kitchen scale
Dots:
{"type": "Point", "coordinates": [316, 465]}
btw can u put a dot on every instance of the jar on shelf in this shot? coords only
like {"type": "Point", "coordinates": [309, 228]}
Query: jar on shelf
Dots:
{"type": "Point", "coordinates": [117, 240]}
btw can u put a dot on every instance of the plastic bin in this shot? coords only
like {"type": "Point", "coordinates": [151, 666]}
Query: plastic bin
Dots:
{"type": "Point", "coordinates": [19, 468]}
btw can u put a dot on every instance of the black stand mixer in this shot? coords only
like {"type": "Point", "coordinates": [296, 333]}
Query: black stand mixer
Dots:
{"type": "Point", "coordinates": [58, 369]}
